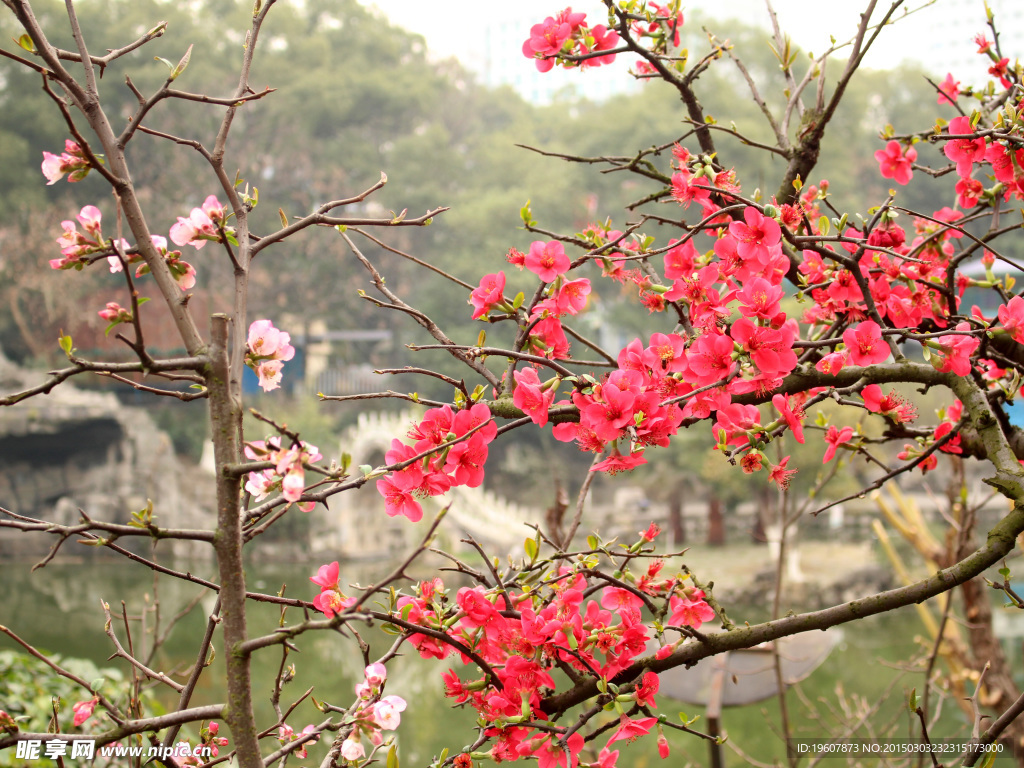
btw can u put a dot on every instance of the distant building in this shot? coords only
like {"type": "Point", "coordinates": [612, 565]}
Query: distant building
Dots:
{"type": "Point", "coordinates": [945, 43]}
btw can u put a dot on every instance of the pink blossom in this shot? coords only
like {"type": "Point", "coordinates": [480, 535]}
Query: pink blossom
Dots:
{"type": "Point", "coordinates": [546, 39]}
{"type": "Point", "coordinates": [756, 236]}
{"type": "Point", "coordinates": [832, 363]}
{"type": "Point", "coordinates": [267, 341]}
{"type": "Point", "coordinates": [617, 463]}
{"type": "Point", "coordinates": [793, 418]}
{"type": "Point", "coordinates": [387, 712]}
{"type": "Point", "coordinates": [376, 674]}
{"type": "Point", "coordinates": [968, 192]}
{"type": "Point", "coordinates": [891, 405]}
{"type": "Point", "coordinates": [550, 754]}
{"type": "Point", "coordinates": [115, 312]}
{"type": "Point", "coordinates": [268, 348]}
{"type": "Point", "coordinates": [963, 152]}
{"type": "Point", "coordinates": [547, 338]}
{"type": "Point", "coordinates": [466, 461]}
{"type": "Point", "coordinates": [487, 294]}
{"type": "Point", "coordinates": [53, 168]}
{"type": "Point", "coordinates": [957, 350]}
{"type": "Point", "coordinates": [663, 750]}
{"type": "Point", "coordinates": [89, 217]}
{"type": "Point", "coordinates": [547, 260]}
{"type": "Point", "coordinates": [835, 437]}
{"type": "Point", "coordinates": [691, 611]}
{"type": "Point", "coordinates": [352, 749]}
{"type": "Point", "coordinates": [331, 602]}
{"type": "Point", "coordinates": [83, 710]}
{"type": "Point", "coordinates": [631, 730]}
{"type": "Point", "coordinates": [398, 498]}
{"type": "Point", "coordinates": [327, 576]}
{"type": "Point", "coordinates": [865, 344]}
{"type": "Point", "coordinates": [686, 190]}
{"type": "Point", "coordinates": [894, 164]}
{"type": "Point", "coordinates": [652, 532]}
{"type": "Point", "coordinates": [759, 298]}
{"type": "Point", "coordinates": [646, 689]}
{"type": "Point", "coordinates": [213, 209]}
{"type": "Point", "coordinates": [1011, 315]}
{"type": "Point", "coordinates": [604, 39]}
{"type": "Point", "coordinates": [531, 397]}
{"type": "Point", "coordinates": [572, 296]}
{"type": "Point", "coordinates": [949, 89]}
{"type": "Point", "coordinates": [780, 475]}
{"type": "Point", "coordinates": [72, 160]}
{"type": "Point", "coordinates": [679, 261]}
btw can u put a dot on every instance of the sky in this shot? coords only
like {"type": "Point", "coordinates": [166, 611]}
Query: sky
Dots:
{"type": "Point", "coordinates": [937, 34]}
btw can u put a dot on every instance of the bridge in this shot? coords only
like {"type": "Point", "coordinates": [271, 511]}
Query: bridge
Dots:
{"type": "Point", "coordinates": [356, 526]}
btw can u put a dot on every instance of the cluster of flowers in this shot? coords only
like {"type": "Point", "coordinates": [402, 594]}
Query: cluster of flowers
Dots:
{"type": "Point", "coordinates": [286, 734]}
{"type": "Point", "coordinates": [373, 714]}
{"type": "Point", "coordinates": [743, 341]}
{"type": "Point", "coordinates": [207, 738]}
{"type": "Point", "coordinates": [114, 313]}
{"type": "Point", "coordinates": [567, 34]}
{"type": "Point", "coordinates": [331, 599]}
{"type": "Point", "coordinates": [445, 464]}
{"type": "Point", "coordinates": [203, 225]}
{"type": "Point", "coordinates": [71, 161]}
{"type": "Point", "coordinates": [568, 40]}
{"type": "Point", "coordinates": [523, 636]}
{"type": "Point", "coordinates": [288, 473]}
{"type": "Point", "coordinates": [267, 350]}
{"type": "Point", "coordinates": [77, 248]}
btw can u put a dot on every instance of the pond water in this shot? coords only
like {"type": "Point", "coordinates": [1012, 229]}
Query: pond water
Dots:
{"type": "Point", "coordinates": [58, 609]}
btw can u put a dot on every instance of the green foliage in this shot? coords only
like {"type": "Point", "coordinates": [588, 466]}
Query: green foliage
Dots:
{"type": "Point", "coordinates": [357, 97]}
{"type": "Point", "coordinates": [28, 688]}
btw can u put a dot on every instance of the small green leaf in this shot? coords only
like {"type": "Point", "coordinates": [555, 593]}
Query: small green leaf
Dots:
{"type": "Point", "coordinates": [393, 756]}
{"type": "Point", "coordinates": [26, 42]}
{"type": "Point", "coordinates": [284, 219]}
{"type": "Point", "coordinates": [593, 542]}
{"type": "Point", "coordinates": [824, 225]}
{"type": "Point", "coordinates": [518, 301]}
{"type": "Point", "coordinates": [912, 700]}
{"type": "Point", "coordinates": [181, 64]}
{"type": "Point", "coordinates": [65, 344]}
{"type": "Point", "coordinates": [525, 214]}
{"type": "Point", "coordinates": [170, 67]}
{"type": "Point", "coordinates": [530, 545]}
